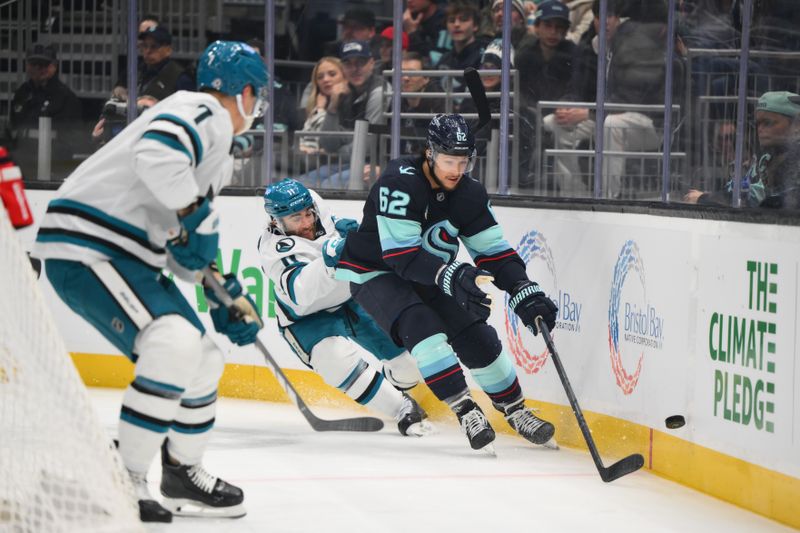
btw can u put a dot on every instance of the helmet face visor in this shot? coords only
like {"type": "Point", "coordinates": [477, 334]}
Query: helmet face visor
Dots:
{"type": "Point", "coordinates": [261, 106]}
{"type": "Point", "coordinates": [451, 163]}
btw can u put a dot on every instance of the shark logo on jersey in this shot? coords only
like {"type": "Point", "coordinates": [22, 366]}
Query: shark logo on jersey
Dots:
{"type": "Point", "coordinates": [408, 171]}
{"type": "Point", "coordinates": [284, 245]}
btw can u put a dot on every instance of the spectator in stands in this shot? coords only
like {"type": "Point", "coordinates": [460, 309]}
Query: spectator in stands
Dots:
{"type": "Point", "coordinates": [544, 61]}
{"type": "Point", "coordinates": [580, 19]}
{"type": "Point", "coordinates": [462, 25]}
{"type": "Point", "coordinates": [415, 130]}
{"type": "Point", "coordinates": [773, 179]}
{"type": "Point", "coordinates": [519, 16]}
{"type": "Point", "coordinates": [358, 24]}
{"type": "Point", "coordinates": [361, 98]}
{"type": "Point", "coordinates": [327, 74]}
{"type": "Point", "coordinates": [386, 44]}
{"type": "Point", "coordinates": [120, 90]}
{"type": "Point", "coordinates": [424, 21]}
{"type": "Point", "coordinates": [43, 95]}
{"type": "Point", "coordinates": [636, 75]}
{"type": "Point", "coordinates": [160, 73]}
{"type": "Point", "coordinates": [571, 126]}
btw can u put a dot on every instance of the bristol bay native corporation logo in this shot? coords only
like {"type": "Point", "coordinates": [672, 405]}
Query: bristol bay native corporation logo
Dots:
{"type": "Point", "coordinates": [533, 248]}
{"type": "Point", "coordinates": [641, 323]}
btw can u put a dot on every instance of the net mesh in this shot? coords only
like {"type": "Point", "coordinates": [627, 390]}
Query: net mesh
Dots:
{"type": "Point", "coordinates": [59, 470]}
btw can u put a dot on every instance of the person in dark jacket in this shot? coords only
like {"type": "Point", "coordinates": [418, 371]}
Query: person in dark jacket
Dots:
{"type": "Point", "coordinates": [424, 21]}
{"type": "Point", "coordinates": [160, 75]}
{"type": "Point", "coordinates": [43, 95]}
{"type": "Point", "coordinates": [544, 61]}
{"type": "Point", "coordinates": [462, 25]}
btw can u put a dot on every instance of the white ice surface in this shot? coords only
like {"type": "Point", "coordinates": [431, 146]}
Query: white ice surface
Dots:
{"type": "Point", "coordinates": [296, 480]}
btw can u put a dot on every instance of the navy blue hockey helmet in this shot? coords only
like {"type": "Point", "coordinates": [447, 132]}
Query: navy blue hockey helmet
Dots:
{"type": "Point", "coordinates": [286, 197]}
{"type": "Point", "coordinates": [450, 135]}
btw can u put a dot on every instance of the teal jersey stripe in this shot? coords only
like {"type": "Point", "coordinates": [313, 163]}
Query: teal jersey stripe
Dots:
{"type": "Point", "coordinates": [359, 369]}
{"type": "Point", "coordinates": [63, 202]}
{"type": "Point", "coordinates": [434, 355]}
{"type": "Point", "coordinates": [163, 139]}
{"type": "Point", "coordinates": [68, 239]}
{"type": "Point", "coordinates": [395, 233]}
{"type": "Point", "coordinates": [487, 242]}
{"type": "Point", "coordinates": [496, 377]}
{"type": "Point", "coordinates": [189, 129]}
{"type": "Point", "coordinates": [348, 275]}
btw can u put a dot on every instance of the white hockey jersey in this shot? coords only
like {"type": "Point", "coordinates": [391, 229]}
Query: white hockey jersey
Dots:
{"type": "Point", "coordinates": [303, 284]}
{"type": "Point", "coordinates": [122, 201]}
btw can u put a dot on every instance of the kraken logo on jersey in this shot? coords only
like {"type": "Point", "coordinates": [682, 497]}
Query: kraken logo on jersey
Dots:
{"type": "Point", "coordinates": [284, 245]}
{"type": "Point", "coordinates": [441, 240]}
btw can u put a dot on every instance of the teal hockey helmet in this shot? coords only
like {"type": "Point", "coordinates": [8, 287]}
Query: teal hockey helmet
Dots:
{"type": "Point", "coordinates": [286, 197]}
{"type": "Point", "coordinates": [230, 66]}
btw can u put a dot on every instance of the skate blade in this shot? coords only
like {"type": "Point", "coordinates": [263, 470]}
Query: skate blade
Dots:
{"type": "Point", "coordinates": [488, 450]}
{"type": "Point", "coordinates": [185, 507]}
{"type": "Point", "coordinates": [421, 429]}
{"type": "Point", "coordinates": [551, 444]}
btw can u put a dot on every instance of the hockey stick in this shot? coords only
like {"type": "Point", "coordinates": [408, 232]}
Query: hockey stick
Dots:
{"type": "Point", "coordinates": [624, 466]}
{"type": "Point", "coordinates": [478, 93]}
{"type": "Point", "coordinates": [362, 423]}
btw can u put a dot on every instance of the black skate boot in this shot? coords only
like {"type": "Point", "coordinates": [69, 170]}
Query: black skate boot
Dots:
{"type": "Point", "coordinates": [191, 491]}
{"type": "Point", "coordinates": [149, 509]}
{"type": "Point", "coordinates": [411, 419]}
{"type": "Point", "coordinates": [527, 424]}
{"type": "Point", "coordinates": [474, 424]}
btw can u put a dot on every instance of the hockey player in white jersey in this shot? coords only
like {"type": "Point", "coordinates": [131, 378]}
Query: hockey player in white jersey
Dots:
{"type": "Point", "coordinates": [142, 202]}
{"type": "Point", "coordinates": [327, 330]}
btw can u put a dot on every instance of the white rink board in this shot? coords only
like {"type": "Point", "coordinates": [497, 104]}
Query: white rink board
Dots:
{"type": "Point", "coordinates": [659, 279]}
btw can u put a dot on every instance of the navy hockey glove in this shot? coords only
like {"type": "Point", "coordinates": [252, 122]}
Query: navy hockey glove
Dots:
{"type": "Point", "coordinates": [196, 247]}
{"type": "Point", "coordinates": [529, 301]}
{"type": "Point", "coordinates": [332, 251]}
{"type": "Point", "coordinates": [345, 226]}
{"type": "Point", "coordinates": [460, 280]}
{"type": "Point", "coordinates": [241, 322]}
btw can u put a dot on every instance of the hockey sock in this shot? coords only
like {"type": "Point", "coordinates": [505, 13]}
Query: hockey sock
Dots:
{"type": "Point", "coordinates": [499, 380]}
{"type": "Point", "coordinates": [368, 387]}
{"type": "Point", "coordinates": [147, 412]}
{"type": "Point", "coordinates": [191, 428]}
{"type": "Point", "coordinates": [439, 367]}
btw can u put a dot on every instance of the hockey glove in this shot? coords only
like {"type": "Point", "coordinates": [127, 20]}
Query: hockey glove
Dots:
{"type": "Point", "coordinates": [241, 322]}
{"type": "Point", "coordinates": [345, 226]}
{"type": "Point", "coordinates": [196, 247]}
{"type": "Point", "coordinates": [332, 251]}
{"type": "Point", "coordinates": [529, 301]}
{"type": "Point", "coordinates": [460, 280]}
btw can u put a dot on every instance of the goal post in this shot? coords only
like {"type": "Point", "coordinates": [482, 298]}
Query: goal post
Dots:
{"type": "Point", "coordinates": [59, 470]}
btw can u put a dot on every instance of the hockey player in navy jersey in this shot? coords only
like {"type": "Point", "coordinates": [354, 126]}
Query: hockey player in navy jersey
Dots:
{"type": "Point", "coordinates": [143, 202]}
{"type": "Point", "coordinates": [325, 328]}
{"type": "Point", "coordinates": [403, 271]}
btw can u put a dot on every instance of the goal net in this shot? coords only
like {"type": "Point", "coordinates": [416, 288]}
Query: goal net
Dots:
{"type": "Point", "coordinates": [59, 470]}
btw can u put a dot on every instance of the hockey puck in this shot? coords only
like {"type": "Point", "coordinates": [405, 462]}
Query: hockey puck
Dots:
{"type": "Point", "coordinates": [675, 421]}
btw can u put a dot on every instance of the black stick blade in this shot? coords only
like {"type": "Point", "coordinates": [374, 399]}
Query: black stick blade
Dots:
{"type": "Point", "coordinates": [478, 93]}
{"type": "Point", "coordinates": [623, 467]}
{"type": "Point", "coordinates": [364, 423]}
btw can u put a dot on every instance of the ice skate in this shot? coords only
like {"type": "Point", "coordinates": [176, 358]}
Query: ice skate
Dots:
{"type": "Point", "coordinates": [411, 419]}
{"type": "Point", "coordinates": [474, 424]}
{"type": "Point", "coordinates": [191, 491]}
{"type": "Point", "coordinates": [149, 509]}
{"type": "Point", "coordinates": [527, 424]}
